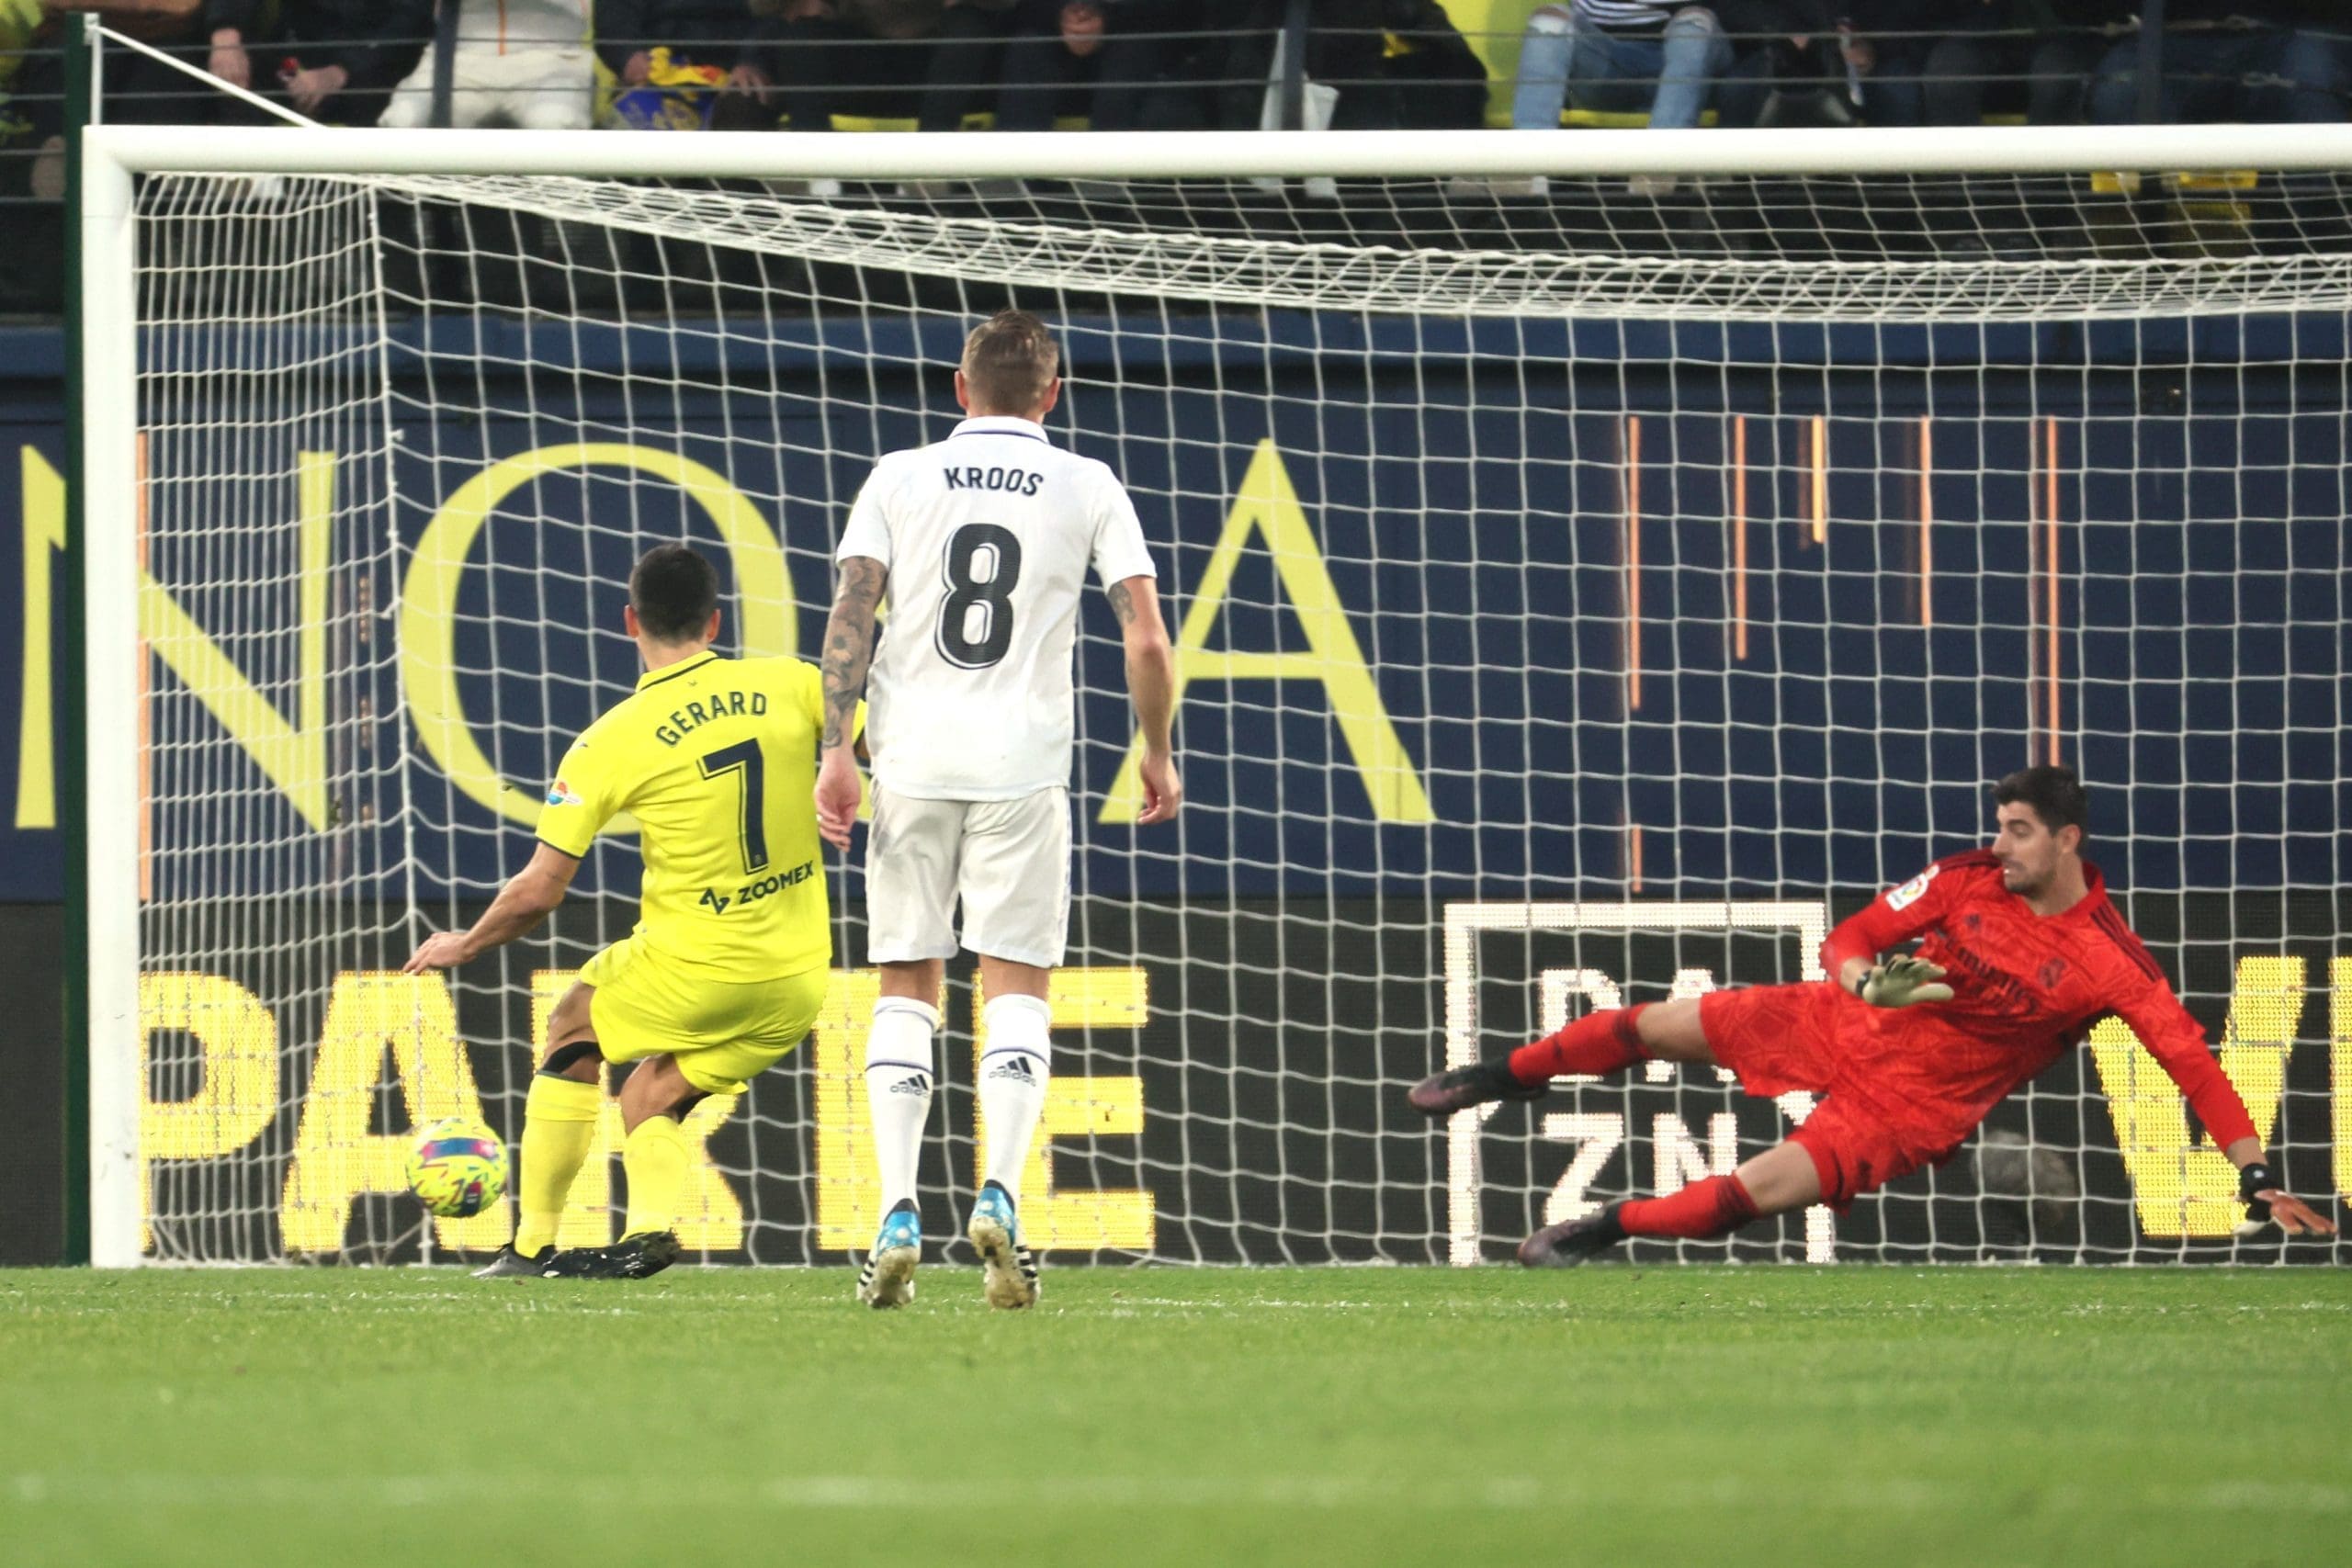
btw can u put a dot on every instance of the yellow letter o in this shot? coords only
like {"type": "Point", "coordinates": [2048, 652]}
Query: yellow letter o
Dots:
{"type": "Point", "coordinates": [429, 596]}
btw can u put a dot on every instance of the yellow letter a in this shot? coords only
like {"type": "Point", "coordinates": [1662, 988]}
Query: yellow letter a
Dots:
{"type": "Point", "coordinates": [336, 1158]}
{"type": "Point", "coordinates": [1270, 504]}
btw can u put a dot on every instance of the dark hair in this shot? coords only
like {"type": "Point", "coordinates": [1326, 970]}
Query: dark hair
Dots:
{"type": "Point", "coordinates": [674, 590]}
{"type": "Point", "coordinates": [1009, 361]}
{"type": "Point", "coordinates": [2054, 793]}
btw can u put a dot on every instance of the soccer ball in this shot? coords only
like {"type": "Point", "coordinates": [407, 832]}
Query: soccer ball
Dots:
{"type": "Point", "coordinates": [457, 1168]}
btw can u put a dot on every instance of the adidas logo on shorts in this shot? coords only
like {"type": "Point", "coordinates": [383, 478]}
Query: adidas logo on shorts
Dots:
{"type": "Point", "coordinates": [917, 1084]}
{"type": "Point", "coordinates": [1014, 1067]}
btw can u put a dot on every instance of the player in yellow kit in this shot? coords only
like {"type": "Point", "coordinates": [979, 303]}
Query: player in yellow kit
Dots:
{"type": "Point", "coordinates": [716, 758]}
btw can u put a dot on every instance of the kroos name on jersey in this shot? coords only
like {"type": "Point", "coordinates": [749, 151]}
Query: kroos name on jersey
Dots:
{"type": "Point", "coordinates": [1019, 481]}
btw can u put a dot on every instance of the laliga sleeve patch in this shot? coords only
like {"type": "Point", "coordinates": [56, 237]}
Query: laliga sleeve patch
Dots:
{"type": "Point", "coordinates": [1908, 893]}
{"type": "Point", "coordinates": [560, 794]}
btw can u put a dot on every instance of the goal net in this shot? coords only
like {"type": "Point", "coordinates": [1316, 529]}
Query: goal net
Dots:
{"type": "Point", "coordinates": [1583, 596]}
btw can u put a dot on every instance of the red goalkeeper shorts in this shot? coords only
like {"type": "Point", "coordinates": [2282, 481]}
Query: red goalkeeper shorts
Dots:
{"type": "Point", "coordinates": [1778, 1039]}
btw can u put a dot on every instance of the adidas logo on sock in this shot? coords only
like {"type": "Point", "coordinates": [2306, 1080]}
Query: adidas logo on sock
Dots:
{"type": "Point", "coordinates": [1014, 1067]}
{"type": "Point", "coordinates": [918, 1084]}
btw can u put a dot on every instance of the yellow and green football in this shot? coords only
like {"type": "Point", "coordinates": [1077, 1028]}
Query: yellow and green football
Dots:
{"type": "Point", "coordinates": [457, 1168]}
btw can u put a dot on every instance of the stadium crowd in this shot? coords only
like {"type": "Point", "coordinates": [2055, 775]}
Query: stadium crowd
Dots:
{"type": "Point", "coordinates": [669, 65]}
{"type": "Point", "coordinates": [1181, 65]}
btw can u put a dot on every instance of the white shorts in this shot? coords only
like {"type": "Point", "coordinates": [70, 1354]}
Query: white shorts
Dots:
{"type": "Point", "coordinates": [1008, 860]}
{"type": "Point", "coordinates": [536, 88]}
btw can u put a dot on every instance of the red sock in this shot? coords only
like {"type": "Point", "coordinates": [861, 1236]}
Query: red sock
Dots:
{"type": "Point", "coordinates": [1604, 1042]}
{"type": "Point", "coordinates": [1700, 1212]}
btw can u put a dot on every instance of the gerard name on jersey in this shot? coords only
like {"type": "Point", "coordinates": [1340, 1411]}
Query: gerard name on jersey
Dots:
{"type": "Point", "coordinates": [718, 704]}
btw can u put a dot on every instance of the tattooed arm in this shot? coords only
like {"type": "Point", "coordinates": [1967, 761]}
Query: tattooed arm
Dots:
{"type": "Point", "coordinates": [849, 643]}
{"type": "Point", "coordinates": [849, 652]}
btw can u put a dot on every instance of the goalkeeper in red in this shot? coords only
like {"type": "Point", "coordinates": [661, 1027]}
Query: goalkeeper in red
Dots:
{"type": "Point", "coordinates": [2020, 953]}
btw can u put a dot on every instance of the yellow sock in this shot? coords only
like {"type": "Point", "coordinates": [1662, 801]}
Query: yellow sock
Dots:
{"type": "Point", "coordinates": [558, 1123]}
{"type": "Point", "coordinates": [655, 1158]}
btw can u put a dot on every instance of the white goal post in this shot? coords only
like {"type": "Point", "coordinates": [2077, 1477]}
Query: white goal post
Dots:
{"type": "Point", "coordinates": [1261, 1120]}
{"type": "Point", "coordinates": [1296, 154]}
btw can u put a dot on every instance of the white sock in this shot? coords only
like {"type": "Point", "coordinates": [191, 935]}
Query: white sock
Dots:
{"type": "Point", "coordinates": [899, 1072]}
{"type": "Point", "coordinates": [1013, 1073]}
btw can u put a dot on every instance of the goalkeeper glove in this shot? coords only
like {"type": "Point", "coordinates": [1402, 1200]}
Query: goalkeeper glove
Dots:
{"type": "Point", "coordinates": [2258, 1190]}
{"type": "Point", "coordinates": [1902, 981]}
{"type": "Point", "coordinates": [2255, 1179]}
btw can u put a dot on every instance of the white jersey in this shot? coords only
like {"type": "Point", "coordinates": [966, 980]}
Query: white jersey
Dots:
{"type": "Point", "coordinates": [987, 536]}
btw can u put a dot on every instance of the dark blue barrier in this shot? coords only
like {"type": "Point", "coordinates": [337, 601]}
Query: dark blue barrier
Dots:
{"type": "Point", "coordinates": [1465, 486]}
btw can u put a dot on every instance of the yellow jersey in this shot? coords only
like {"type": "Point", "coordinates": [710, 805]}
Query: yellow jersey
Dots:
{"type": "Point", "coordinates": [717, 760]}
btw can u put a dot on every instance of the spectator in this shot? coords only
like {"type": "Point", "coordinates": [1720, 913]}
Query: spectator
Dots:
{"type": "Point", "coordinates": [1182, 54]}
{"type": "Point", "coordinates": [1202, 63]}
{"type": "Point", "coordinates": [1623, 55]}
{"type": "Point", "coordinates": [30, 145]}
{"type": "Point", "coordinates": [20, 20]}
{"type": "Point", "coordinates": [1809, 67]}
{"type": "Point", "coordinates": [831, 56]}
{"type": "Point", "coordinates": [1994, 48]}
{"type": "Point", "coordinates": [714, 33]}
{"type": "Point", "coordinates": [2230, 60]}
{"type": "Point", "coordinates": [1347, 60]}
{"type": "Point", "coordinates": [1880, 54]}
{"type": "Point", "coordinates": [138, 88]}
{"type": "Point", "coordinates": [523, 63]}
{"type": "Point", "coordinates": [331, 60]}
{"type": "Point", "coordinates": [1433, 79]}
{"type": "Point", "coordinates": [1100, 58]}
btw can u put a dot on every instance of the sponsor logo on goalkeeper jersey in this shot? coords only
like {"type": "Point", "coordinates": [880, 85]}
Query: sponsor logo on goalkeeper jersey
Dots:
{"type": "Point", "coordinates": [1903, 898]}
{"type": "Point", "coordinates": [562, 793]}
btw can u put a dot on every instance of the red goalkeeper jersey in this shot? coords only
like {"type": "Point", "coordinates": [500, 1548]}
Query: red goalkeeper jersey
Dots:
{"type": "Point", "coordinates": [2026, 989]}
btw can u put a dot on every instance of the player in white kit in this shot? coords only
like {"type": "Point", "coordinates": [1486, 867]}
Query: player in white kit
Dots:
{"type": "Point", "coordinates": [983, 541]}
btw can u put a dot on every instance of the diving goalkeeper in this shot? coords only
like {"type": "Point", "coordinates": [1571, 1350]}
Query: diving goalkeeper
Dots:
{"type": "Point", "coordinates": [716, 759]}
{"type": "Point", "coordinates": [1909, 1064]}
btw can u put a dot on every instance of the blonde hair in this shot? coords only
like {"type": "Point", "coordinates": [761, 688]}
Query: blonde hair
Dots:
{"type": "Point", "coordinates": [1009, 362]}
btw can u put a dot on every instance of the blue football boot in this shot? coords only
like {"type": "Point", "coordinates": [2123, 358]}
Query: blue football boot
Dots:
{"type": "Point", "coordinates": [889, 1278]}
{"type": "Point", "coordinates": [1009, 1271]}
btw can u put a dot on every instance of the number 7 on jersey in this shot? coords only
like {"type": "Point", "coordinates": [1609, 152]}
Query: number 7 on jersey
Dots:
{"type": "Point", "coordinates": [743, 758]}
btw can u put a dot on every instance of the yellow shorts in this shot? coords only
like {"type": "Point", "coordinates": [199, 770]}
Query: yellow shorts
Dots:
{"type": "Point", "coordinates": [724, 1033]}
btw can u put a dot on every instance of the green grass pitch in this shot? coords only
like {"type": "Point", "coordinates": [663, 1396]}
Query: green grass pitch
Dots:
{"type": "Point", "coordinates": [1669, 1416]}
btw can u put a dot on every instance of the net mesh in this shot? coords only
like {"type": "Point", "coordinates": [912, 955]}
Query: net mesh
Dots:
{"type": "Point", "coordinates": [1582, 597]}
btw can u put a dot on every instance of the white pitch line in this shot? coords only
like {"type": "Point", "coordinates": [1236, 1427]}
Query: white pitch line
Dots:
{"type": "Point", "coordinates": [1875, 1495]}
{"type": "Point", "coordinates": [186, 1491]}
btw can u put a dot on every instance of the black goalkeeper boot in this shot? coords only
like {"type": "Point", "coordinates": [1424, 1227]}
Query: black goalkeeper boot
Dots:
{"type": "Point", "coordinates": [631, 1258]}
{"type": "Point", "coordinates": [1572, 1242]}
{"type": "Point", "coordinates": [1474, 1085]}
{"type": "Point", "coordinates": [511, 1265]}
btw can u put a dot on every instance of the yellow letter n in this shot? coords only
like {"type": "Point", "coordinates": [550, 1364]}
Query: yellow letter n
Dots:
{"type": "Point", "coordinates": [1267, 505]}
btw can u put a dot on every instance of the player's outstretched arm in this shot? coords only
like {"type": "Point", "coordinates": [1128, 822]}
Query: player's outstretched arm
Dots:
{"type": "Point", "coordinates": [1151, 685]}
{"type": "Point", "coordinates": [848, 654]}
{"type": "Point", "coordinates": [526, 900]}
